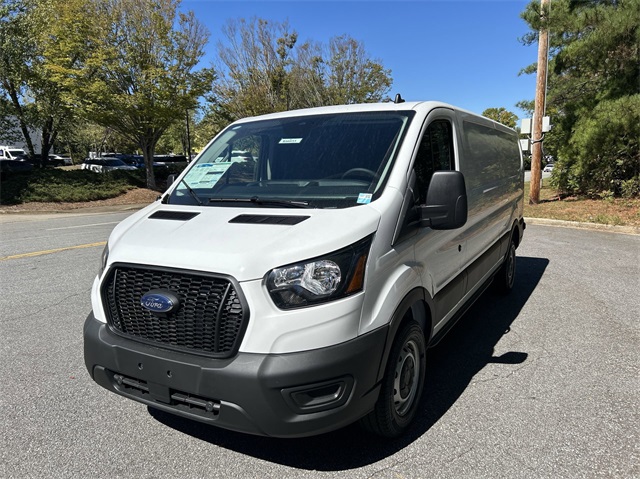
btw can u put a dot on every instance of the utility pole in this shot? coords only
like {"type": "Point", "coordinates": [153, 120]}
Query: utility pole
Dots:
{"type": "Point", "coordinates": [541, 94]}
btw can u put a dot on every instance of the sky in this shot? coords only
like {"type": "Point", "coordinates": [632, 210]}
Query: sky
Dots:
{"type": "Point", "coordinates": [465, 53]}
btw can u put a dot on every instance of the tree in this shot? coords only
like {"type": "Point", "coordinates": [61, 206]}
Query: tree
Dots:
{"type": "Point", "coordinates": [264, 70]}
{"type": "Point", "coordinates": [140, 76]}
{"type": "Point", "coordinates": [353, 76]}
{"type": "Point", "coordinates": [17, 49]}
{"type": "Point", "coordinates": [30, 42]}
{"type": "Point", "coordinates": [337, 74]}
{"type": "Point", "coordinates": [502, 115]}
{"type": "Point", "coordinates": [175, 138]}
{"type": "Point", "coordinates": [255, 63]}
{"type": "Point", "coordinates": [593, 93]}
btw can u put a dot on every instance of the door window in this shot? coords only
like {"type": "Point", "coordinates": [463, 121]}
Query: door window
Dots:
{"type": "Point", "coordinates": [434, 154]}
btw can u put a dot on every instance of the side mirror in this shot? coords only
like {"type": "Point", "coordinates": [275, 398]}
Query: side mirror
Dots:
{"type": "Point", "coordinates": [170, 180]}
{"type": "Point", "coordinates": [446, 206]}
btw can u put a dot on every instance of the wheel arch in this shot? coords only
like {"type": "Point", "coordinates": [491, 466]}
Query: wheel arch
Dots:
{"type": "Point", "coordinates": [415, 306]}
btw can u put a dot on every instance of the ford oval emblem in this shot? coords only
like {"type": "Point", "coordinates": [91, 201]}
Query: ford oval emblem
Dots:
{"type": "Point", "coordinates": [160, 301]}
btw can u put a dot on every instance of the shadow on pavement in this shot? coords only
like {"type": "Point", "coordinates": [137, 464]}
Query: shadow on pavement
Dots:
{"type": "Point", "coordinates": [451, 366]}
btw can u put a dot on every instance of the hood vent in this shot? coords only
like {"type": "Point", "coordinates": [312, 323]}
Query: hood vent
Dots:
{"type": "Point", "coordinates": [269, 220]}
{"type": "Point", "coordinates": [173, 215]}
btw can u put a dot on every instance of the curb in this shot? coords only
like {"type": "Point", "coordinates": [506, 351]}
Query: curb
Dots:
{"type": "Point", "coordinates": [630, 230]}
{"type": "Point", "coordinates": [7, 217]}
{"type": "Point", "coordinates": [85, 210]}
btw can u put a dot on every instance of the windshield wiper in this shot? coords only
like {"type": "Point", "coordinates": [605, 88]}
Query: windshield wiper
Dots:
{"type": "Point", "coordinates": [191, 192]}
{"type": "Point", "coordinates": [262, 201]}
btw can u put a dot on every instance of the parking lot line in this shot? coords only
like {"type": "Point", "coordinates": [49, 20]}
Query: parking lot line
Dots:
{"type": "Point", "coordinates": [51, 251]}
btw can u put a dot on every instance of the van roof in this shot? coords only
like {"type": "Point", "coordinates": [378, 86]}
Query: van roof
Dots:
{"type": "Point", "coordinates": [362, 107]}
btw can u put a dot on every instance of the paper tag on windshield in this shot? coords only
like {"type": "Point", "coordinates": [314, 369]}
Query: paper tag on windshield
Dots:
{"type": "Point", "coordinates": [206, 174]}
{"type": "Point", "coordinates": [364, 198]}
{"type": "Point", "coordinates": [290, 141]}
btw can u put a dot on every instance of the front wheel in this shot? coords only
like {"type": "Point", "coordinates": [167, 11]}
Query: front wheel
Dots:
{"type": "Point", "coordinates": [402, 384]}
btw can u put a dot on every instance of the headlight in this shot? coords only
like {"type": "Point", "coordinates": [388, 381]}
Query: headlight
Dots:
{"type": "Point", "coordinates": [317, 280]}
{"type": "Point", "coordinates": [103, 259]}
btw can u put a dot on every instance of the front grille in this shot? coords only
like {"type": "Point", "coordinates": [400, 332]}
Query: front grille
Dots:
{"type": "Point", "coordinates": [210, 319]}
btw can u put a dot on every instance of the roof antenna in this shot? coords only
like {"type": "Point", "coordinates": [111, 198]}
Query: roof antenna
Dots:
{"type": "Point", "coordinates": [398, 99]}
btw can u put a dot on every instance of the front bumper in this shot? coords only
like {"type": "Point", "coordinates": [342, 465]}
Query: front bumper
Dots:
{"type": "Point", "coordinates": [282, 395]}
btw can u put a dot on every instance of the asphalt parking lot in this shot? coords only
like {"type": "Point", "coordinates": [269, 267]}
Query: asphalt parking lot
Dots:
{"type": "Point", "coordinates": [542, 383]}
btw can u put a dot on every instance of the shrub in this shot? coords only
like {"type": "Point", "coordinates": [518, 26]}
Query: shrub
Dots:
{"type": "Point", "coordinates": [603, 154]}
{"type": "Point", "coordinates": [54, 185]}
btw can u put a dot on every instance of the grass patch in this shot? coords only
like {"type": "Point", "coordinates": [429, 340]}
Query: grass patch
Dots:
{"type": "Point", "coordinates": [609, 211]}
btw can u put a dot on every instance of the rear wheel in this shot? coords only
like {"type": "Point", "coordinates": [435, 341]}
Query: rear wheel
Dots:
{"type": "Point", "coordinates": [401, 386]}
{"type": "Point", "coordinates": [507, 273]}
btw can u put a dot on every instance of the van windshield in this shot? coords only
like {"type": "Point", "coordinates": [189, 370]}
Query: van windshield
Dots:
{"type": "Point", "coordinates": [320, 161]}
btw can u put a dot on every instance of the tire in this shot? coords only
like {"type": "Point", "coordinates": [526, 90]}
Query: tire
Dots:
{"type": "Point", "coordinates": [402, 384]}
{"type": "Point", "coordinates": [507, 273]}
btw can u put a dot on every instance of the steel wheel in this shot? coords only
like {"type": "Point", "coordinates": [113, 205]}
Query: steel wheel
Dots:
{"type": "Point", "coordinates": [402, 384]}
{"type": "Point", "coordinates": [407, 377]}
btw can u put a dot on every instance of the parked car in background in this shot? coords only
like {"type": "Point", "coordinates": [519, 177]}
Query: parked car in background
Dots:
{"type": "Point", "coordinates": [170, 160]}
{"type": "Point", "coordinates": [548, 168]}
{"type": "Point", "coordinates": [102, 165]}
{"type": "Point", "coordinates": [52, 160]}
{"type": "Point", "coordinates": [37, 160]}
{"type": "Point", "coordinates": [14, 166]}
{"type": "Point", "coordinates": [11, 152]}
{"type": "Point", "coordinates": [138, 161]}
{"type": "Point", "coordinates": [132, 160]}
{"type": "Point", "coordinates": [60, 160]}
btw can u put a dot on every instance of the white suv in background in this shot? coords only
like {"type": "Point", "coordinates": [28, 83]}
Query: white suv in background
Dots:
{"type": "Point", "coordinates": [101, 165]}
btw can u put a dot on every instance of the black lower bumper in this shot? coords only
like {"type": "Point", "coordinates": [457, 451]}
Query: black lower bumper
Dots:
{"type": "Point", "coordinates": [282, 395]}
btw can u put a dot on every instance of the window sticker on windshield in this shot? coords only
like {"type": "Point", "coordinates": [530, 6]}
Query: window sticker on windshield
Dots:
{"type": "Point", "coordinates": [206, 174]}
{"type": "Point", "coordinates": [290, 141]}
{"type": "Point", "coordinates": [364, 198]}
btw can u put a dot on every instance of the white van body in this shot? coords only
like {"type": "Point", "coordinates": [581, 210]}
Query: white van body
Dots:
{"type": "Point", "coordinates": [296, 291]}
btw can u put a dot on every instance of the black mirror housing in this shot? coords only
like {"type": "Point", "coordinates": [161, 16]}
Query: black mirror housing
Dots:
{"type": "Point", "coordinates": [446, 206]}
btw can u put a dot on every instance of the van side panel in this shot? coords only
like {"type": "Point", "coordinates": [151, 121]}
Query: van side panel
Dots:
{"type": "Point", "coordinates": [491, 161]}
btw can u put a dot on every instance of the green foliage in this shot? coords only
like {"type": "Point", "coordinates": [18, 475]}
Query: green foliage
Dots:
{"type": "Point", "coordinates": [592, 93]}
{"type": "Point", "coordinates": [174, 139]}
{"type": "Point", "coordinates": [88, 137]}
{"type": "Point", "coordinates": [138, 75]}
{"type": "Point", "coordinates": [502, 115]}
{"type": "Point", "coordinates": [69, 186]}
{"type": "Point", "coordinates": [33, 36]}
{"type": "Point", "coordinates": [603, 154]}
{"type": "Point", "coordinates": [56, 185]}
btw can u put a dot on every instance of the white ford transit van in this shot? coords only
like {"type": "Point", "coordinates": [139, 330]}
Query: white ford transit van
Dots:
{"type": "Point", "coordinates": [295, 289]}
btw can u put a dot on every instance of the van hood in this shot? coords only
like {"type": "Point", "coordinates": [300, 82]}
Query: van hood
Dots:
{"type": "Point", "coordinates": [245, 243]}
